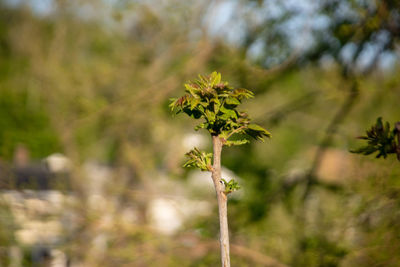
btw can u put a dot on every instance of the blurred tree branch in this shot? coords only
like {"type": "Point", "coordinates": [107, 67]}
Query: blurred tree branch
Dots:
{"type": "Point", "coordinates": [337, 119]}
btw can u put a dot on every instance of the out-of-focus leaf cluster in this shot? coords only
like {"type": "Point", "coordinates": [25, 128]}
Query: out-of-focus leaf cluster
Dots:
{"type": "Point", "coordinates": [380, 139]}
{"type": "Point", "coordinates": [199, 159]}
{"type": "Point", "coordinates": [216, 102]}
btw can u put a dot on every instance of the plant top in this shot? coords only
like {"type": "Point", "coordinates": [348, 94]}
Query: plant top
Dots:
{"type": "Point", "coordinates": [215, 102]}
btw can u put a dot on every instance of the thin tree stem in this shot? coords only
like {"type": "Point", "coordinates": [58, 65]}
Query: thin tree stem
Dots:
{"type": "Point", "coordinates": [222, 201]}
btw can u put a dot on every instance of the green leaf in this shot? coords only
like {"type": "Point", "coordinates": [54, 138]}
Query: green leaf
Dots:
{"type": "Point", "coordinates": [217, 104]}
{"type": "Point", "coordinates": [241, 93]}
{"type": "Point", "coordinates": [379, 123]}
{"type": "Point", "coordinates": [172, 105]}
{"type": "Point", "coordinates": [203, 125]}
{"type": "Point", "coordinates": [204, 103]}
{"type": "Point", "coordinates": [232, 101]}
{"type": "Point", "coordinates": [210, 115]}
{"type": "Point", "coordinates": [236, 142]}
{"type": "Point", "coordinates": [215, 78]}
{"type": "Point", "coordinates": [257, 132]}
{"type": "Point", "coordinates": [194, 102]}
{"type": "Point", "coordinates": [258, 128]}
{"type": "Point", "coordinates": [230, 186]}
{"type": "Point", "coordinates": [255, 127]}
{"type": "Point", "coordinates": [190, 88]}
{"type": "Point", "coordinates": [224, 117]}
{"type": "Point", "coordinates": [199, 159]}
{"type": "Point", "coordinates": [202, 80]}
{"type": "Point", "coordinates": [230, 112]}
{"type": "Point", "coordinates": [216, 101]}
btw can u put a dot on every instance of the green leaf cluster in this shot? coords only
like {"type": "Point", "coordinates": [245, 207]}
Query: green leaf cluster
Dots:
{"type": "Point", "coordinates": [215, 102]}
{"type": "Point", "coordinates": [380, 139]}
{"type": "Point", "coordinates": [199, 159]}
{"type": "Point", "coordinates": [230, 186]}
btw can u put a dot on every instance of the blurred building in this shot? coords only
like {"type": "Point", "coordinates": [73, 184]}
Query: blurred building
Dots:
{"type": "Point", "coordinates": [37, 194]}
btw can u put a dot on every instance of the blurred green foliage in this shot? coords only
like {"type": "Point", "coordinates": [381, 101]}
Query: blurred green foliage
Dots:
{"type": "Point", "coordinates": [380, 139]}
{"type": "Point", "coordinates": [98, 88]}
{"type": "Point", "coordinates": [26, 123]}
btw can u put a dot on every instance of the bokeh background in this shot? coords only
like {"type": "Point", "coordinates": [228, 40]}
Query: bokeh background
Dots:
{"type": "Point", "coordinates": [91, 157]}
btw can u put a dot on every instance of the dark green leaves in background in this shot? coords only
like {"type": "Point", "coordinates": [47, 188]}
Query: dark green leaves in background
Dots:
{"type": "Point", "coordinates": [382, 139]}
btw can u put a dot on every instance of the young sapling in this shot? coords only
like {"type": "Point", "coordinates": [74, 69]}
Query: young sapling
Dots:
{"type": "Point", "coordinates": [215, 103]}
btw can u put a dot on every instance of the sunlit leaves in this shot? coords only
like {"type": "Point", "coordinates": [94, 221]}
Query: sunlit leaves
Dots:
{"type": "Point", "coordinates": [216, 103]}
{"type": "Point", "coordinates": [194, 103]}
{"type": "Point", "coordinates": [199, 159]}
{"type": "Point", "coordinates": [380, 138]}
{"type": "Point", "coordinates": [203, 125]}
{"type": "Point", "coordinates": [215, 78]}
{"type": "Point", "coordinates": [229, 113]}
{"type": "Point", "coordinates": [232, 101]}
{"type": "Point", "coordinates": [230, 186]}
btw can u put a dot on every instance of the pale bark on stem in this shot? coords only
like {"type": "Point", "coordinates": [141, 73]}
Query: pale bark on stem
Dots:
{"type": "Point", "coordinates": [222, 200]}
